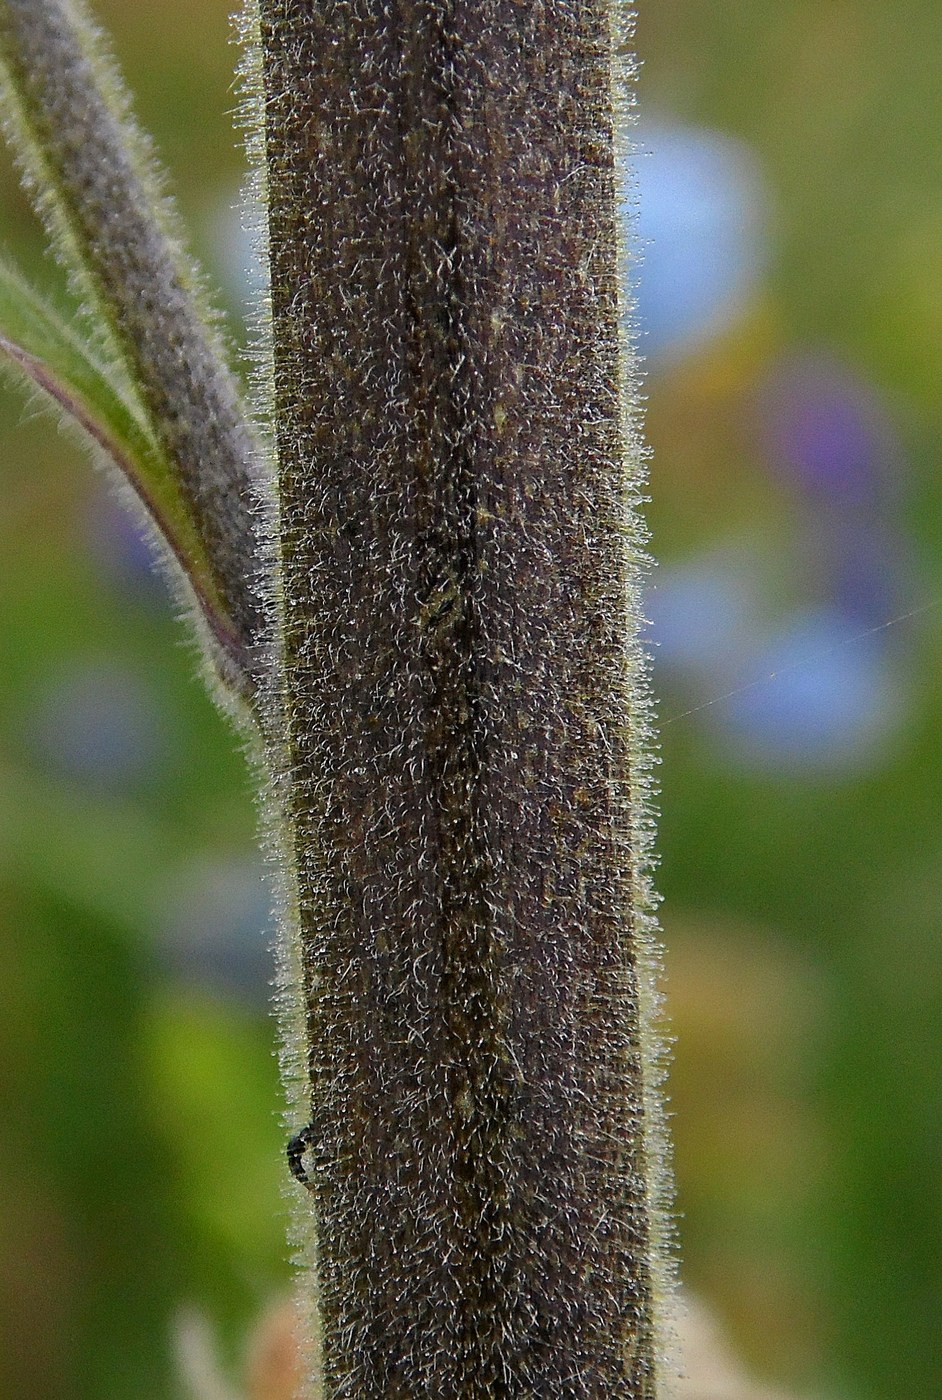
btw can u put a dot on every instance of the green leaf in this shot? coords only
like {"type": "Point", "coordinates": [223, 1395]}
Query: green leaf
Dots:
{"type": "Point", "coordinates": [49, 353]}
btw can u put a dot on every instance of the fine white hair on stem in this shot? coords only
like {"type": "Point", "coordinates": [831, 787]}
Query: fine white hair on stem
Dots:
{"type": "Point", "coordinates": [465, 777]}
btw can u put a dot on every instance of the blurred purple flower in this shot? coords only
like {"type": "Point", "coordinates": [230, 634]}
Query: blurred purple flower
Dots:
{"type": "Point", "coordinates": [98, 723]}
{"type": "Point", "coordinates": [865, 568]}
{"type": "Point", "coordinates": [828, 431]}
{"type": "Point", "coordinates": [120, 544]}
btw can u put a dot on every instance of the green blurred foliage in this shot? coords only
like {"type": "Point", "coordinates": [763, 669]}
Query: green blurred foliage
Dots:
{"type": "Point", "coordinates": [141, 1149]}
{"type": "Point", "coordinates": [141, 1155]}
{"type": "Point", "coordinates": [802, 912]}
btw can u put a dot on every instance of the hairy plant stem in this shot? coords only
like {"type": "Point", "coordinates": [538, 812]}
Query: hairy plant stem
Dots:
{"type": "Point", "coordinates": [95, 181]}
{"type": "Point", "coordinates": [457, 554]}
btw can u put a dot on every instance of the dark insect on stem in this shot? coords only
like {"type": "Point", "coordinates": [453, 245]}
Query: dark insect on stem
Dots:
{"type": "Point", "coordinates": [300, 1145]}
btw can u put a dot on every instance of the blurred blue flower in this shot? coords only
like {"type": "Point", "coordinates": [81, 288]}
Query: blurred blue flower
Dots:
{"type": "Point", "coordinates": [236, 254]}
{"type": "Point", "coordinates": [700, 234]}
{"type": "Point", "coordinates": [700, 613]}
{"type": "Point", "coordinates": [828, 697]}
{"type": "Point", "coordinates": [818, 688]}
{"type": "Point", "coordinates": [816, 691]}
{"type": "Point", "coordinates": [100, 724]}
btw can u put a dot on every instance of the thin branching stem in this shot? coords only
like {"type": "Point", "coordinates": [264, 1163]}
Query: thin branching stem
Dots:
{"type": "Point", "coordinates": [95, 397]}
{"type": "Point", "coordinates": [97, 185]}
